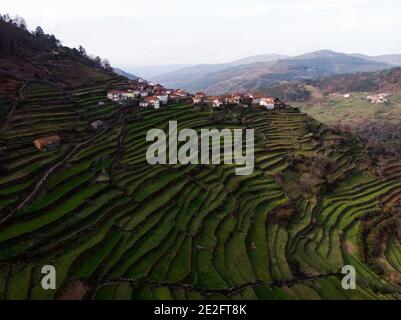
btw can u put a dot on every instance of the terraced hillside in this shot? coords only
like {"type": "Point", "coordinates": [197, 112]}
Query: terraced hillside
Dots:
{"type": "Point", "coordinates": [117, 228]}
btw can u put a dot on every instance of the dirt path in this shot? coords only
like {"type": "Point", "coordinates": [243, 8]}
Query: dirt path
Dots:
{"type": "Point", "coordinates": [227, 291]}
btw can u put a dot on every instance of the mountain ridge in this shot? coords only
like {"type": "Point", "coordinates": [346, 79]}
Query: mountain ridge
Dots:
{"type": "Point", "coordinates": [388, 80]}
{"type": "Point", "coordinates": [249, 74]}
{"type": "Point", "coordinates": [123, 73]}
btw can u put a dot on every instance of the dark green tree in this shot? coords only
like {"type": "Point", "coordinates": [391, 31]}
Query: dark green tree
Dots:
{"type": "Point", "coordinates": [39, 32]}
{"type": "Point", "coordinates": [82, 50]}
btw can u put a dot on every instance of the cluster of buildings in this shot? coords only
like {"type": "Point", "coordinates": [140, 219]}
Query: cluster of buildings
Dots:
{"type": "Point", "coordinates": [373, 99]}
{"type": "Point", "coordinates": [145, 95]}
{"type": "Point", "coordinates": [241, 99]}
{"type": "Point", "coordinates": [342, 95]}
{"type": "Point", "coordinates": [378, 98]}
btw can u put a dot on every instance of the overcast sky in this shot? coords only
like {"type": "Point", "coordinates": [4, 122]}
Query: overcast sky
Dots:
{"type": "Point", "coordinates": [138, 32]}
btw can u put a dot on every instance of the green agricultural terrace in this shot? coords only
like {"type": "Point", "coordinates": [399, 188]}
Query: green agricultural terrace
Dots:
{"type": "Point", "coordinates": [115, 227]}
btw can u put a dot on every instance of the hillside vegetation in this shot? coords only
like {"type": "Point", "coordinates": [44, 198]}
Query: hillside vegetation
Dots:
{"type": "Point", "coordinates": [313, 90]}
{"type": "Point", "coordinates": [36, 56]}
{"type": "Point", "coordinates": [116, 227]}
{"type": "Point", "coordinates": [324, 100]}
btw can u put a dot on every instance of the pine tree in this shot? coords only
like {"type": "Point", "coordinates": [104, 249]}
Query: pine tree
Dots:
{"type": "Point", "coordinates": [39, 32]}
{"type": "Point", "coordinates": [82, 50]}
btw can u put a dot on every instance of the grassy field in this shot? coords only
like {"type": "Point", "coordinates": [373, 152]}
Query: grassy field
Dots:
{"type": "Point", "coordinates": [187, 232]}
{"type": "Point", "coordinates": [350, 111]}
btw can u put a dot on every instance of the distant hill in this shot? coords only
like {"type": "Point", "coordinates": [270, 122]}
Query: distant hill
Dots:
{"type": "Point", "coordinates": [266, 70]}
{"type": "Point", "coordinates": [202, 70]}
{"type": "Point", "coordinates": [380, 81]}
{"type": "Point", "coordinates": [320, 54]}
{"type": "Point", "coordinates": [301, 90]}
{"type": "Point", "coordinates": [149, 72]}
{"type": "Point", "coordinates": [393, 59]}
{"type": "Point", "coordinates": [125, 74]}
{"type": "Point", "coordinates": [201, 76]}
{"type": "Point", "coordinates": [258, 58]}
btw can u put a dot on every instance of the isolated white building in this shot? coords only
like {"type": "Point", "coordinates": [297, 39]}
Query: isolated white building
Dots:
{"type": "Point", "coordinates": [268, 103]}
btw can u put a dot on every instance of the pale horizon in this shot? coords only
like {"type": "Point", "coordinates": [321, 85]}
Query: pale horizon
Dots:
{"type": "Point", "coordinates": [136, 34]}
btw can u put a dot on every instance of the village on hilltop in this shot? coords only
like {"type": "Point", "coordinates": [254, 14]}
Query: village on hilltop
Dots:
{"type": "Point", "coordinates": [143, 94]}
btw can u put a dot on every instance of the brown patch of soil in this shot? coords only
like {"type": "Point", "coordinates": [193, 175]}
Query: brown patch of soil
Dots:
{"type": "Point", "coordinates": [74, 290]}
{"type": "Point", "coordinates": [350, 247]}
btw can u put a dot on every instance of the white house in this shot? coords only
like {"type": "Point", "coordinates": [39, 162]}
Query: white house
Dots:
{"type": "Point", "coordinates": [129, 94]}
{"type": "Point", "coordinates": [181, 92]}
{"type": "Point", "coordinates": [144, 104]}
{"type": "Point", "coordinates": [143, 94]}
{"type": "Point", "coordinates": [197, 99]}
{"type": "Point", "coordinates": [112, 95]}
{"type": "Point", "coordinates": [256, 99]}
{"type": "Point", "coordinates": [268, 103]}
{"type": "Point", "coordinates": [163, 97]}
{"type": "Point", "coordinates": [137, 92]}
{"type": "Point", "coordinates": [217, 102]}
{"type": "Point", "coordinates": [378, 98]}
{"type": "Point", "coordinates": [234, 98]}
{"type": "Point", "coordinates": [150, 102]}
{"type": "Point", "coordinates": [119, 95]}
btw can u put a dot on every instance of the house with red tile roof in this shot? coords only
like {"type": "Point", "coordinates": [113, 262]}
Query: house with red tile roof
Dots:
{"type": "Point", "coordinates": [150, 102]}
{"type": "Point", "coordinates": [256, 98]}
{"type": "Point", "coordinates": [234, 98]}
{"type": "Point", "coordinates": [162, 96]}
{"type": "Point", "coordinates": [267, 102]}
{"type": "Point", "coordinates": [197, 99]}
{"type": "Point", "coordinates": [181, 92]}
{"type": "Point", "coordinates": [120, 95]}
{"type": "Point", "coordinates": [47, 143]}
{"type": "Point", "coordinates": [214, 101]}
